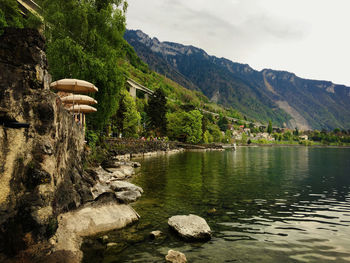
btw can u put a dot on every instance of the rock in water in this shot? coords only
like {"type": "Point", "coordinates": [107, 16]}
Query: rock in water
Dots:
{"type": "Point", "coordinates": [190, 227]}
{"type": "Point", "coordinates": [111, 245]}
{"type": "Point", "coordinates": [175, 257]}
{"type": "Point", "coordinates": [155, 234]}
{"type": "Point", "coordinates": [127, 197]}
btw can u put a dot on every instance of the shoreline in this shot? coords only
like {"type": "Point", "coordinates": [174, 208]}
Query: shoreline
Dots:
{"type": "Point", "coordinates": [130, 156]}
{"type": "Point", "coordinates": [295, 145]}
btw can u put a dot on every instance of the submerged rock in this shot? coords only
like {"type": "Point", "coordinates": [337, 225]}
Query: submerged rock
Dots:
{"type": "Point", "coordinates": [175, 257]}
{"type": "Point", "coordinates": [212, 211]}
{"type": "Point", "coordinates": [156, 234]}
{"type": "Point", "coordinates": [111, 244]}
{"type": "Point", "coordinates": [190, 227]}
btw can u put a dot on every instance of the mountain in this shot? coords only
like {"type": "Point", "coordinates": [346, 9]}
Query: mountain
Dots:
{"type": "Point", "coordinates": [280, 96]}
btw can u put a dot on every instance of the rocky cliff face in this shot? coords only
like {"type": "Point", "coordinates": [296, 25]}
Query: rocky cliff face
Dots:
{"type": "Point", "coordinates": [41, 147]}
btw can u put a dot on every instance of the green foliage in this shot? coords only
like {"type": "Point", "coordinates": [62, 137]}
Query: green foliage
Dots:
{"type": "Point", "coordinates": [156, 112]}
{"type": "Point", "coordinates": [296, 131]}
{"type": "Point", "coordinates": [10, 14]}
{"type": "Point", "coordinates": [207, 137]}
{"type": "Point", "coordinates": [223, 123]}
{"type": "Point", "coordinates": [277, 136]}
{"type": "Point", "coordinates": [185, 126]}
{"type": "Point", "coordinates": [336, 130]}
{"type": "Point", "coordinates": [132, 118]}
{"type": "Point", "coordinates": [244, 138]}
{"type": "Point", "coordinates": [215, 132]}
{"type": "Point", "coordinates": [33, 21]}
{"type": "Point", "coordinates": [287, 136]}
{"type": "Point", "coordinates": [3, 22]}
{"type": "Point", "coordinates": [91, 138]}
{"type": "Point", "coordinates": [228, 136]}
{"type": "Point", "coordinates": [305, 143]}
{"type": "Point", "coordinates": [85, 40]}
{"type": "Point", "coordinates": [118, 118]}
{"type": "Point", "coordinates": [269, 127]}
{"type": "Point", "coordinates": [126, 120]}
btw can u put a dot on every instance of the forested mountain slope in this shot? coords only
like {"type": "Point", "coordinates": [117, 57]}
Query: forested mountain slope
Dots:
{"type": "Point", "coordinates": [268, 94]}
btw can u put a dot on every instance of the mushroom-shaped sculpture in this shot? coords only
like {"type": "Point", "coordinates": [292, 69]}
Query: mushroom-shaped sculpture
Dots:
{"type": "Point", "coordinates": [74, 86]}
{"type": "Point", "coordinates": [78, 99]}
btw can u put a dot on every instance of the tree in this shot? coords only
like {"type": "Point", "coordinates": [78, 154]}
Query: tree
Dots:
{"type": "Point", "coordinates": [10, 15]}
{"type": "Point", "coordinates": [269, 127]}
{"type": "Point", "coordinates": [215, 132]}
{"type": "Point", "coordinates": [156, 112]}
{"type": "Point", "coordinates": [228, 136]}
{"type": "Point", "coordinates": [185, 126]}
{"type": "Point", "coordinates": [118, 118]}
{"type": "Point", "coordinates": [244, 138]}
{"type": "Point", "coordinates": [207, 137]}
{"type": "Point", "coordinates": [223, 123]}
{"type": "Point", "coordinates": [296, 131]}
{"type": "Point", "coordinates": [84, 41]}
{"type": "Point", "coordinates": [287, 136]}
{"type": "Point", "coordinates": [127, 118]}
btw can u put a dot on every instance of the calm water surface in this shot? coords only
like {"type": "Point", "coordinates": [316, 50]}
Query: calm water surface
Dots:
{"type": "Point", "coordinates": [273, 204]}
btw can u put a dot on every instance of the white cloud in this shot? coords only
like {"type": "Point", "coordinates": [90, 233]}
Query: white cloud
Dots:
{"type": "Point", "coordinates": [309, 38]}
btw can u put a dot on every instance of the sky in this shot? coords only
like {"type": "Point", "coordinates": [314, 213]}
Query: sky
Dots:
{"type": "Point", "coordinates": [310, 38]}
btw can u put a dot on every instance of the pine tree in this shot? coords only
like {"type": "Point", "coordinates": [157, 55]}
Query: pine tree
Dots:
{"type": "Point", "coordinates": [269, 128]}
{"type": "Point", "coordinates": [118, 118]}
{"type": "Point", "coordinates": [156, 112]}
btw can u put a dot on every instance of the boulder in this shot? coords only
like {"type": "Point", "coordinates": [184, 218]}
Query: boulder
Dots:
{"type": "Point", "coordinates": [127, 197]}
{"type": "Point", "coordinates": [190, 227]}
{"type": "Point", "coordinates": [111, 174]}
{"type": "Point", "coordinates": [175, 257]}
{"type": "Point", "coordinates": [125, 186]}
{"type": "Point", "coordinates": [128, 170]}
{"type": "Point", "coordinates": [88, 221]}
{"type": "Point", "coordinates": [117, 173]}
{"type": "Point", "coordinates": [100, 189]}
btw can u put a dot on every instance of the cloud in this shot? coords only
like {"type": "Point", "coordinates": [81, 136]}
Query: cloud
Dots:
{"type": "Point", "coordinates": [205, 20]}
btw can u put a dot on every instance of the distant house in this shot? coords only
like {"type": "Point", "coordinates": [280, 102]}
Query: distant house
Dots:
{"type": "Point", "coordinates": [304, 137]}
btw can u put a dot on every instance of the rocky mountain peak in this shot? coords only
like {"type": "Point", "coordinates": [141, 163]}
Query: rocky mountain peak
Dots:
{"type": "Point", "coordinates": [264, 95]}
{"type": "Point", "coordinates": [165, 48]}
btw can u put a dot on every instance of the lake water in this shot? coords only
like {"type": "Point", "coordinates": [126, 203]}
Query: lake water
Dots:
{"type": "Point", "coordinates": [273, 204]}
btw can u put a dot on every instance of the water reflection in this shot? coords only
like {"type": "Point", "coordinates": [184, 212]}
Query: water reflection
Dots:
{"type": "Point", "coordinates": [273, 205]}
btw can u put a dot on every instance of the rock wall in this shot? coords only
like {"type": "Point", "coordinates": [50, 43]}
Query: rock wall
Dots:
{"type": "Point", "coordinates": [41, 147]}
